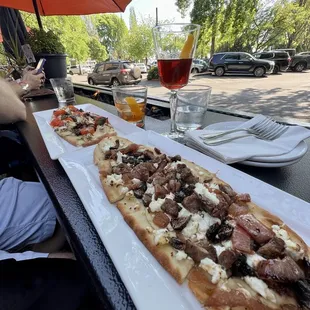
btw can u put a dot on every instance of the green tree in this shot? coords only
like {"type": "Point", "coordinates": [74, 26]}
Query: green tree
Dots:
{"type": "Point", "coordinates": [132, 19]}
{"type": "Point", "coordinates": [96, 50]}
{"type": "Point", "coordinates": [113, 33]}
{"type": "Point", "coordinates": [140, 39]}
{"type": "Point", "coordinates": [71, 30]}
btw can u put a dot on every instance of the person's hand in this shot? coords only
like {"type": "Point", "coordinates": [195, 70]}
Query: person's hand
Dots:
{"type": "Point", "coordinates": [26, 69]}
{"type": "Point", "coordinates": [34, 80]}
{"type": "Point", "coordinates": [63, 255]}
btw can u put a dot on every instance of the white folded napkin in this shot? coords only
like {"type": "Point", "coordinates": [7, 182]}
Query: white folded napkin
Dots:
{"type": "Point", "coordinates": [245, 148]}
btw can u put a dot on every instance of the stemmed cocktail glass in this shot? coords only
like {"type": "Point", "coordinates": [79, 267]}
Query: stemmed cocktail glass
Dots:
{"type": "Point", "coordinates": [175, 46]}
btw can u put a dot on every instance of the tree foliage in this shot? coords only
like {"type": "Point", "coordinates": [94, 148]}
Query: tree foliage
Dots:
{"type": "Point", "coordinates": [113, 33]}
{"type": "Point", "coordinates": [140, 39]}
{"type": "Point", "coordinates": [71, 30]}
{"type": "Point", "coordinates": [249, 25]}
{"type": "Point", "coordinates": [96, 50]}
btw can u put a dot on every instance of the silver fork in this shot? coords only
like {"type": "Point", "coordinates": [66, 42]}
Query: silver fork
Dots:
{"type": "Point", "coordinates": [269, 132]}
{"type": "Point", "coordinates": [256, 127]}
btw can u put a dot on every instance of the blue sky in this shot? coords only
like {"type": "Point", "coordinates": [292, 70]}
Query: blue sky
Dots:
{"type": "Point", "coordinates": [166, 10]}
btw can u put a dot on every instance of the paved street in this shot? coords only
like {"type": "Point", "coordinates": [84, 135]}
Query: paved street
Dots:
{"type": "Point", "coordinates": [285, 95]}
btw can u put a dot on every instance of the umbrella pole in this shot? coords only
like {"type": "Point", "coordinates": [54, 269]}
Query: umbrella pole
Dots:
{"type": "Point", "coordinates": [35, 5]}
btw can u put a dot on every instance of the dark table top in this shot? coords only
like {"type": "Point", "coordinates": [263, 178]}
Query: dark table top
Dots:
{"type": "Point", "coordinates": [83, 237]}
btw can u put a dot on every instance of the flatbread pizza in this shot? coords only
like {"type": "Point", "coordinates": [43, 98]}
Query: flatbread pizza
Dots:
{"type": "Point", "coordinates": [80, 128]}
{"type": "Point", "coordinates": [232, 253]}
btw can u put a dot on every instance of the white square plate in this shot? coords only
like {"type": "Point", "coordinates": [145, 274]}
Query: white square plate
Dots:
{"type": "Point", "coordinates": [149, 285]}
{"type": "Point", "coordinates": [57, 146]}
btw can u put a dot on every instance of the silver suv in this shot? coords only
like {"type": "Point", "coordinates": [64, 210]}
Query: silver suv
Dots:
{"type": "Point", "coordinates": [115, 73]}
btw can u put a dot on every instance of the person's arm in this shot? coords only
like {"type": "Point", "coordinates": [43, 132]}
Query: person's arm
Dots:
{"type": "Point", "coordinates": [11, 108]}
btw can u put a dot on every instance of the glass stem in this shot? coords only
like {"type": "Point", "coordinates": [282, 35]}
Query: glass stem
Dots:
{"type": "Point", "coordinates": [173, 109]}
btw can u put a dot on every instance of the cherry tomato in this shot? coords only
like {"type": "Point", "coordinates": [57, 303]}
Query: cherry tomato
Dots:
{"type": "Point", "coordinates": [85, 131]}
{"type": "Point", "coordinates": [72, 108]}
{"type": "Point", "coordinates": [68, 119]}
{"type": "Point", "coordinates": [57, 122]}
{"type": "Point", "coordinates": [59, 112]}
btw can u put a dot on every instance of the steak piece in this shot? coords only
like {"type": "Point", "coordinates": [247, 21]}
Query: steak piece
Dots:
{"type": "Point", "coordinates": [238, 209]}
{"type": "Point", "coordinates": [131, 148]}
{"type": "Point", "coordinates": [121, 169]}
{"type": "Point", "coordinates": [227, 258]}
{"type": "Point", "coordinates": [177, 243]}
{"type": "Point", "coordinates": [161, 219]}
{"type": "Point", "coordinates": [148, 155]}
{"type": "Point", "coordinates": [243, 198]}
{"type": "Point", "coordinates": [198, 252]}
{"type": "Point", "coordinates": [180, 222]}
{"type": "Point", "coordinates": [192, 203]}
{"type": "Point", "coordinates": [241, 241]}
{"type": "Point", "coordinates": [219, 210]}
{"type": "Point", "coordinates": [302, 290]}
{"type": "Point", "coordinates": [146, 199]}
{"type": "Point", "coordinates": [187, 176]}
{"type": "Point", "coordinates": [173, 186]}
{"type": "Point", "coordinates": [285, 270]}
{"type": "Point", "coordinates": [160, 192]}
{"type": "Point", "coordinates": [257, 230]}
{"type": "Point", "coordinates": [227, 190]}
{"type": "Point", "coordinates": [142, 171]}
{"type": "Point", "coordinates": [170, 207]}
{"type": "Point", "coordinates": [273, 249]}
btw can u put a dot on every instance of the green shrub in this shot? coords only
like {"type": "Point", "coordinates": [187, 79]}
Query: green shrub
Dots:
{"type": "Point", "coordinates": [153, 74]}
{"type": "Point", "coordinates": [45, 42]}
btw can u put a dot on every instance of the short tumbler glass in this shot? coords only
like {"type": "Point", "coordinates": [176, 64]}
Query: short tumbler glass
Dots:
{"type": "Point", "coordinates": [63, 89]}
{"type": "Point", "coordinates": [130, 102]}
{"type": "Point", "coordinates": [192, 104]}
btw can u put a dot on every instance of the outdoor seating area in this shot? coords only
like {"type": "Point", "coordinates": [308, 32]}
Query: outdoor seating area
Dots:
{"type": "Point", "coordinates": [112, 197]}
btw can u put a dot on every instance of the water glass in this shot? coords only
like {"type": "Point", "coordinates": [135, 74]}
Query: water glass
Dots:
{"type": "Point", "coordinates": [191, 110]}
{"type": "Point", "coordinates": [63, 89]}
{"type": "Point", "coordinates": [130, 102]}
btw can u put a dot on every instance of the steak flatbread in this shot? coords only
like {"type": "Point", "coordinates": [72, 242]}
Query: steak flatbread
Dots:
{"type": "Point", "coordinates": [234, 254]}
{"type": "Point", "coordinates": [80, 128]}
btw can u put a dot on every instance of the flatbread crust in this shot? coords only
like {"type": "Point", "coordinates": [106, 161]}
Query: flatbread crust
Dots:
{"type": "Point", "coordinates": [104, 146]}
{"type": "Point", "coordinates": [232, 293]}
{"type": "Point", "coordinates": [133, 212]}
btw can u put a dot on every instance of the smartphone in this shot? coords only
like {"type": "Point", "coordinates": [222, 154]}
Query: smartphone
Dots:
{"type": "Point", "coordinates": [40, 65]}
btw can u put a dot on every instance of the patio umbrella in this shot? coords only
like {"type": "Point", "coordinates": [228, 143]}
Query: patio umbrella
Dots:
{"type": "Point", "coordinates": [13, 30]}
{"type": "Point", "coordinates": [66, 7]}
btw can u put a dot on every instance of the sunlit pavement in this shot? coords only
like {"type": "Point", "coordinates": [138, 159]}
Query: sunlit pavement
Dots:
{"type": "Point", "coordinates": [284, 95]}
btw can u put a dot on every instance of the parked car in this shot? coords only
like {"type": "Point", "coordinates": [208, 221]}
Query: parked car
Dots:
{"type": "Point", "coordinates": [75, 69]}
{"type": "Point", "coordinates": [304, 53]}
{"type": "Point", "coordinates": [281, 59]}
{"type": "Point", "coordinates": [199, 66]}
{"type": "Point", "coordinates": [290, 51]}
{"type": "Point", "coordinates": [142, 67]}
{"type": "Point", "coordinates": [239, 62]}
{"type": "Point", "coordinates": [300, 62]}
{"type": "Point", "coordinates": [115, 73]}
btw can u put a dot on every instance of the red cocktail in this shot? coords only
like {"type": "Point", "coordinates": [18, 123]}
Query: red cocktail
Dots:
{"type": "Point", "coordinates": [175, 46]}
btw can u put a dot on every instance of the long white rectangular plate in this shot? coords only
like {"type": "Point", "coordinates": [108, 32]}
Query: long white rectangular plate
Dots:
{"type": "Point", "coordinates": [149, 285]}
{"type": "Point", "coordinates": [57, 146]}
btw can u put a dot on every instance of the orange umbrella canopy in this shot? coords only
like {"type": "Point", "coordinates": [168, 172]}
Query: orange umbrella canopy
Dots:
{"type": "Point", "coordinates": [68, 7]}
